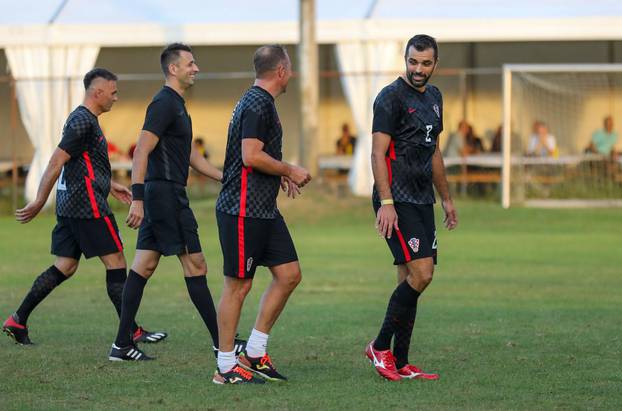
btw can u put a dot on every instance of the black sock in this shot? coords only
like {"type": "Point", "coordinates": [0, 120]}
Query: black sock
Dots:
{"type": "Point", "coordinates": [115, 281]}
{"type": "Point", "coordinates": [41, 287]}
{"type": "Point", "coordinates": [202, 299]}
{"type": "Point", "coordinates": [402, 300]}
{"type": "Point", "coordinates": [403, 333]}
{"type": "Point", "coordinates": [132, 294]}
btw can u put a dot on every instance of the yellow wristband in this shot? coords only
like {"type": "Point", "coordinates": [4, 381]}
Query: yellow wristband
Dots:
{"type": "Point", "coordinates": [388, 201]}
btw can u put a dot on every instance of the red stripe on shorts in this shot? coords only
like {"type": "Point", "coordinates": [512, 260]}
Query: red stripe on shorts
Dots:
{"type": "Point", "coordinates": [113, 233]}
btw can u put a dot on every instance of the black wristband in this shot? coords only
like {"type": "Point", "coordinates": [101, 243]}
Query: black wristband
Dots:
{"type": "Point", "coordinates": [138, 192]}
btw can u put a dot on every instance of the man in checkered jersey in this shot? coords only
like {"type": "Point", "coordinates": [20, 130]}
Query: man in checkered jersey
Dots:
{"type": "Point", "coordinates": [85, 224]}
{"type": "Point", "coordinates": [251, 229]}
{"type": "Point", "coordinates": [407, 163]}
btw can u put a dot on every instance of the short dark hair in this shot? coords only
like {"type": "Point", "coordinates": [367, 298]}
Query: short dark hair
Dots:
{"type": "Point", "coordinates": [422, 42]}
{"type": "Point", "coordinates": [267, 58]}
{"type": "Point", "coordinates": [171, 53]}
{"type": "Point", "coordinates": [98, 72]}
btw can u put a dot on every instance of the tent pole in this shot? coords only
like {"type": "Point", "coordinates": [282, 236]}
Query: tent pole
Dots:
{"type": "Point", "coordinates": [13, 121]}
{"type": "Point", "coordinates": [309, 85]}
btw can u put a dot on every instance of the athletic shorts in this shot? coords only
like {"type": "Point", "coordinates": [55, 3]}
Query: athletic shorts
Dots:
{"type": "Point", "coordinates": [249, 242]}
{"type": "Point", "coordinates": [416, 237]}
{"type": "Point", "coordinates": [93, 237]}
{"type": "Point", "coordinates": [169, 226]}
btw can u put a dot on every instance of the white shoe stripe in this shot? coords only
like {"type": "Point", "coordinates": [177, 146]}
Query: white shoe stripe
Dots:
{"type": "Point", "coordinates": [150, 338]}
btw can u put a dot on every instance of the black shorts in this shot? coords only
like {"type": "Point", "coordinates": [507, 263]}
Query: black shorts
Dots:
{"type": "Point", "coordinates": [169, 226]}
{"type": "Point", "coordinates": [416, 237]}
{"type": "Point", "coordinates": [249, 242]}
{"type": "Point", "coordinates": [94, 237]}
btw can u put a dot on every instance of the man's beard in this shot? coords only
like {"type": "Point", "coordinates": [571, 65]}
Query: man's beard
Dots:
{"type": "Point", "coordinates": [417, 83]}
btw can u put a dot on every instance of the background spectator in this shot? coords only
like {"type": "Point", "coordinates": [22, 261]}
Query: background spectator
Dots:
{"type": "Point", "coordinates": [541, 142]}
{"type": "Point", "coordinates": [346, 142]}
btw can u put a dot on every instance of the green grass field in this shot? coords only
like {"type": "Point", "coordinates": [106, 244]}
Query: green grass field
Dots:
{"type": "Point", "coordinates": [523, 313]}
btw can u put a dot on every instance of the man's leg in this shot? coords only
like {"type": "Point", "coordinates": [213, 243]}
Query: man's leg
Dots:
{"type": "Point", "coordinates": [418, 275]}
{"type": "Point", "coordinates": [15, 325]}
{"type": "Point", "coordinates": [234, 292]}
{"type": "Point", "coordinates": [195, 275]}
{"type": "Point", "coordinates": [285, 278]}
{"type": "Point", "coordinates": [116, 276]}
{"type": "Point", "coordinates": [145, 263]}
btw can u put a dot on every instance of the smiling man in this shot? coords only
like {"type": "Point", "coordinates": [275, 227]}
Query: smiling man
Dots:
{"type": "Point", "coordinates": [407, 163]}
{"type": "Point", "coordinates": [160, 206]}
{"type": "Point", "coordinates": [85, 223]}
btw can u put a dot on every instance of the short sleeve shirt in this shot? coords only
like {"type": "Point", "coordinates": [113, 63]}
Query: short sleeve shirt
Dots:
{"type": "Point", "coordinates": [168, 119]}
{"type": "Point", "coordinates": [247, 192]}
{"type": "Point", "coordinates": [84, 184]}
{"type": "Point", "coordinates": [414, 121]}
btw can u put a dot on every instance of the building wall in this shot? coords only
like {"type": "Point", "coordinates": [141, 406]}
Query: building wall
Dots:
{"type": "Point", "coordinates": [211, 102]}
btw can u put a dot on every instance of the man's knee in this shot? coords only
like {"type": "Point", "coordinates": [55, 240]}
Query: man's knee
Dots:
{"type": "Point", "coordinates": [67, 266]}
{"type": "Point", "coordinates": [420, 275]}
{"type": "Point", "coordinates": [114, 261]}
{"type": "Point", "coordinates": [292, 279]}
{"type": "Point", "coordinates": [195, 266]}
{"type": "Point", "coordinates": [237, 288]}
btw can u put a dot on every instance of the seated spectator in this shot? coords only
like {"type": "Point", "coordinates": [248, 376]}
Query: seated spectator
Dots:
{"type": "Point", "coordinates": [604, 139]}
{"type": "Point", "coordinates": [473, 144]}
{"type": "Point", "coordinates": [456, 141]}
{"type": "Point", "coordinates": [541, 143]}
{"type": "Point", "coordinates": [199, 145]}
{"type": "Point", "coordinates": [497, 140]}
{"type": "Point", "coordinates": [346, 142]}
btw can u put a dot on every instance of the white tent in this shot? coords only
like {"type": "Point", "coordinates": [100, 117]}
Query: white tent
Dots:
{"type": "Point", "coordinates": [48, 42]}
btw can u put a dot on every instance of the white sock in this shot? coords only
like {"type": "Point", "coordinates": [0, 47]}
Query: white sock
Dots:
{"type": "Point", "coordinates": [226, 361]}
{"type": "Point", "coordinates": [257, 343]}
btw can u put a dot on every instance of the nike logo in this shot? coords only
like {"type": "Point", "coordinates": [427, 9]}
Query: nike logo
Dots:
{"type": "Point", "coordinates": [411, 110]}
{"type": "Point", "coordinates": [234, 380]}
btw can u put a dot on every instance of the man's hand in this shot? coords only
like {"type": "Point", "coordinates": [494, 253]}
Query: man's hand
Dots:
{"type": "Point", "coordinates": [386, 220]}
{"type": "Point", "coordinates": [451, 218]}
{"type": "Point", "coordinates": [298, 175]}
{"type": "Point", "coordinates": [24, 215]}
{"type": "Point", "coordinates": [289, 187]}
{"type": "Point", "coordinates": [136, 214]}
{"type": "Point", "coordinates": [120, 192]}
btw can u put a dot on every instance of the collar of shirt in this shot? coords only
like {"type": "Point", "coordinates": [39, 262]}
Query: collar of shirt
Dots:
{"type": "Point", "coordinates": [174, 93]}
{"type": "Point", "coordinates": [264, 91]}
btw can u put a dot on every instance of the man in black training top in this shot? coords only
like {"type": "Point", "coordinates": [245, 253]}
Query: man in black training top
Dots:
{"type": "Point", "coordinates": [251, 229]}
{"type": "Point", "coordinates": [406, 162]}
{"type": "Point", "coordinates": [160, 206]}
{"type": "Point", "coordinates": [85, 223]}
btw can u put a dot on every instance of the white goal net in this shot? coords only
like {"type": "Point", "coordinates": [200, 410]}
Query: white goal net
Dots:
{"type": "Point", "coordinates": [551, 115]}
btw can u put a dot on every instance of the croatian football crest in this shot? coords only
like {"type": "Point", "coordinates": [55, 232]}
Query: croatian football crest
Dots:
{"type": "Point", "coordinates": [414, 244]}
{"type": "Point", "coordinates": [249, 263]}
{"type": "Point", "coordinates": [437, 110]}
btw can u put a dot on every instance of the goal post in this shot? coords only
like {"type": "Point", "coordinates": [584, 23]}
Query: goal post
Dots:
{"type": "Point", "coordinates": [562, 105]}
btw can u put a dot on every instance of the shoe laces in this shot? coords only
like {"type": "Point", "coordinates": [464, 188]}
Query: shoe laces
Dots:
{"type": "Point", "coordinates": [245, 374]}
{"type": "Point", "coordinates": [388, 359]}
{"type": "Point", "coordinates": [266, 360]}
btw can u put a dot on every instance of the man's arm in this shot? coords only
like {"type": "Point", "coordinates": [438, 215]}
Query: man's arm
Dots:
{"type": "Point", "coordinates": [253, 156]}
{"type": "Point", "coordinates": [440, 182]}
{"type": "Point", "coordinates": [147, 141]}
{"type": "Point", "coordinates": [50, 175]}
{"type": "Point", "coordinates": [203, 166]}
{"type": "Point", "coordinates": [386, 219]}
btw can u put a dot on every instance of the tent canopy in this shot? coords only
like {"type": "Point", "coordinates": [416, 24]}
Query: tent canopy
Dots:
{"type": "Point", "coordinates": [213, 22]}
